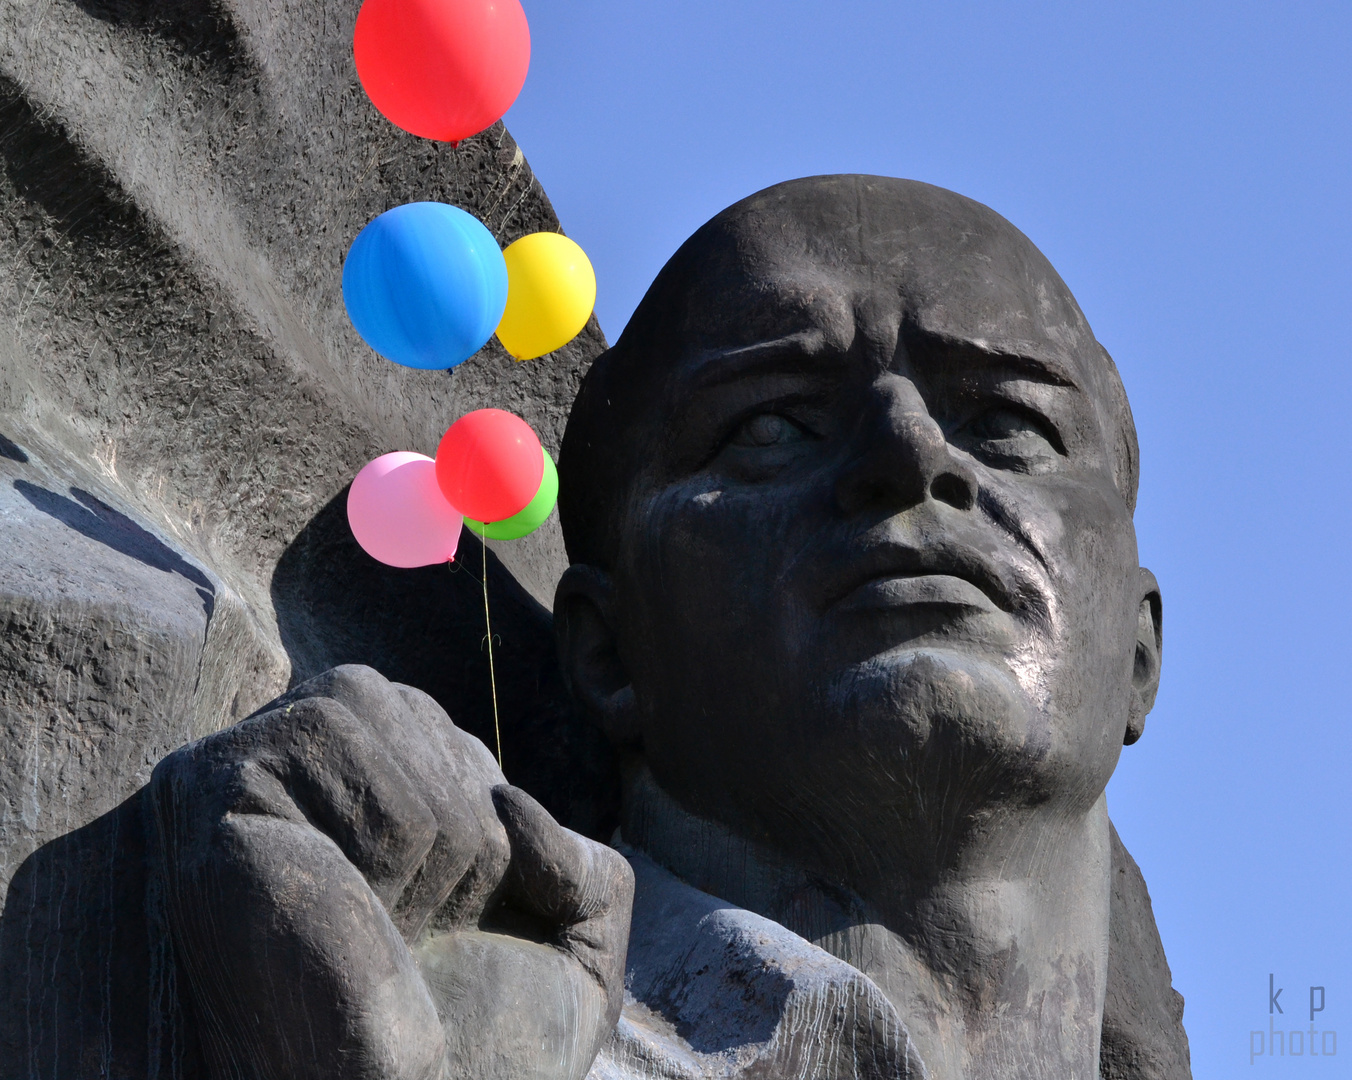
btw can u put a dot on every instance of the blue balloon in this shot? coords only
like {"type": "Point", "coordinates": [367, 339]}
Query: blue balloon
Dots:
{"type": "Point", "coordinates": [425, 285]}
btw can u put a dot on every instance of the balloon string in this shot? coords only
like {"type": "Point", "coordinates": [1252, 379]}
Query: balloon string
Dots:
{"type": "Point", "coordinates": [492, 677]}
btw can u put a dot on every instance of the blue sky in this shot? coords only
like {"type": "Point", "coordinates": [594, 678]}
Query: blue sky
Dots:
{"type": "Point", "coordinates": [1187, 168]}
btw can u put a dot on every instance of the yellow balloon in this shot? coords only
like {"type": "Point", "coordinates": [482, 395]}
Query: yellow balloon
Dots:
{"type": "Point", "coordinates": [551, 290]}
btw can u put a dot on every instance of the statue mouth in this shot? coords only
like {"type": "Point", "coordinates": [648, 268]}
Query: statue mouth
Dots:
{"type": "Point", "coordinates": [918, 590]}
{"type": "Point", "coordinates": [939, 575]}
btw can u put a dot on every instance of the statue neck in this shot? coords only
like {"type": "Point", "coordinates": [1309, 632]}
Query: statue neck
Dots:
{"type": "Point", "coordinates": [998, 967]}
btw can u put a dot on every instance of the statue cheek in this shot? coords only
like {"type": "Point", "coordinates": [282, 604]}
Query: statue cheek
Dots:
{"type": "Point", "coordinates": [1087, 541]}
{"type": "Point", "coordinates": [702, 530]}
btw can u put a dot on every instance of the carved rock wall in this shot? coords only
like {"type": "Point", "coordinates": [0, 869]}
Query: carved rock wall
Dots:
{"type": "Point", "coordinates": [182, 399]}
{"type": "Point", "coordinates": [182, 404]}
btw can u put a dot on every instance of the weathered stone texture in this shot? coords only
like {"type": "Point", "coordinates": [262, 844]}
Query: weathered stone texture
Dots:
{"type": "Point", "coordinates": [1143, 1036]}
{"type": "Point", "coordinates": [181, 394]}
{"type": "Point", "coordinates": [182, 403]}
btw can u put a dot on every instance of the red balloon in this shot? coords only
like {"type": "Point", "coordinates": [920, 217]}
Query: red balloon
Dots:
{"type": "Point", "coordinates": [442, 69]}
{"type": "Point", "coordinates": [489, 465]}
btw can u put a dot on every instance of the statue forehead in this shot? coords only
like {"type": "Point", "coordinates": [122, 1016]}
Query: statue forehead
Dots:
{"type": "Point", "coordinates": [809, 250]}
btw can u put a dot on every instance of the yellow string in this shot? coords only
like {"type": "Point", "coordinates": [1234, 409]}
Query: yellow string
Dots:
{"type": "Point", "coordinates": [492, 677]}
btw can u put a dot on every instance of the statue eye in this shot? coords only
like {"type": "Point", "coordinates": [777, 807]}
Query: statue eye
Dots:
{"type": "Point", "coordinates": [1006, 432]}
{"type": "Point", "coordinates": [767, 429]}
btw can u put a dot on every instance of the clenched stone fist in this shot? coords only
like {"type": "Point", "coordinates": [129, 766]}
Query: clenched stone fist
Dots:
{"type": "Point", "coordinates": [356, 892]}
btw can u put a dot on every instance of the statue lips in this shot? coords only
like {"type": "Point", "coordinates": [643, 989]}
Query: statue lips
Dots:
{"type": "Point", "coordinates": [930, 588]}
{"type": "Point", "coordinates": [938, 572]}
{"type": "Point", "coordinates": [925, 589]}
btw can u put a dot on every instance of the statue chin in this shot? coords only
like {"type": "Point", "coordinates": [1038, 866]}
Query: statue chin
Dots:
{"type": "Point", "coordinates": [945, 716]}
{"type": "Point", "coordinates": [922, 712]}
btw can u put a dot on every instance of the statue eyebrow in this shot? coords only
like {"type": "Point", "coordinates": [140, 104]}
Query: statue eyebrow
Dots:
{"type": "Point", "coordinates": [1042, 368]}
{"type": "Point", "coordinates": [807, 349]}
{"type": "Point", "coordinates": [1025, 358]}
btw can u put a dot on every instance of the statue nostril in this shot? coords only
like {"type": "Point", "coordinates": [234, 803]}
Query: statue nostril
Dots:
{"type": "Point", "coordinates": [953, 489]}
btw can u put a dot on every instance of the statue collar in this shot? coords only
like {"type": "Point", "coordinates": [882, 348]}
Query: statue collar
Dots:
{"type": "Point", "coordinates": [715, 991]}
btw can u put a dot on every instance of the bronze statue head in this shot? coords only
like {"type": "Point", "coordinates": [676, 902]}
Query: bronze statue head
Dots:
{"type": "Point", "coordinates": [849, 507]}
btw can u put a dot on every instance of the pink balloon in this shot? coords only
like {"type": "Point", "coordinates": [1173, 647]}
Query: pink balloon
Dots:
{"type": "Point", "coordinates": [398, 513]}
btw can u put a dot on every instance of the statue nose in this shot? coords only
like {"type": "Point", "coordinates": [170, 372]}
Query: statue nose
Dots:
{"type": "Point", "coordinates": [904, 459]}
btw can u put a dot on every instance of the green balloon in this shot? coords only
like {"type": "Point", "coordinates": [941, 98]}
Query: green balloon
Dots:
{"type": "Point", "coordinates": [530, 518]}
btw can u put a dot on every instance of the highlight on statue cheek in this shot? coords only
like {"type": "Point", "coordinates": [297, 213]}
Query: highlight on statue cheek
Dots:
{"type": "Point", "coordinates": [697, 533]}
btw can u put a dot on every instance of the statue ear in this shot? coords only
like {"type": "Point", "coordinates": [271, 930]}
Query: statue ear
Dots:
{"type": "Point", "coordinates": [584, 630]}
{"type": "Point", "coordinates": [1145, 675]}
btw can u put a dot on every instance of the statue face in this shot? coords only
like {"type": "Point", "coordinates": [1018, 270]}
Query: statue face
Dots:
{"type": "Point", "coordinates": [876, 578]}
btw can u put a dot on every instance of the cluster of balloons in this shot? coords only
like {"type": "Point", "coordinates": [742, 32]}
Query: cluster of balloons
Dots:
{"type": "Point", "coordinates": [490, 473]}
{"type": "Point", "coordinates": [426, 284]}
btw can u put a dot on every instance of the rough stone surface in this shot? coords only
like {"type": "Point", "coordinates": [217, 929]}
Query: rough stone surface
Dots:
{"type": "Point", "coordinates": [89, 986]}
{"type": "Point", "coordinates": [1143, 1036]}
{"type": "Point", "coordinates": [117, 648]}
{"type": "Point", "coordinates": [716, 991]}
{"type": "Point", "coordinates": [183, 401]}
